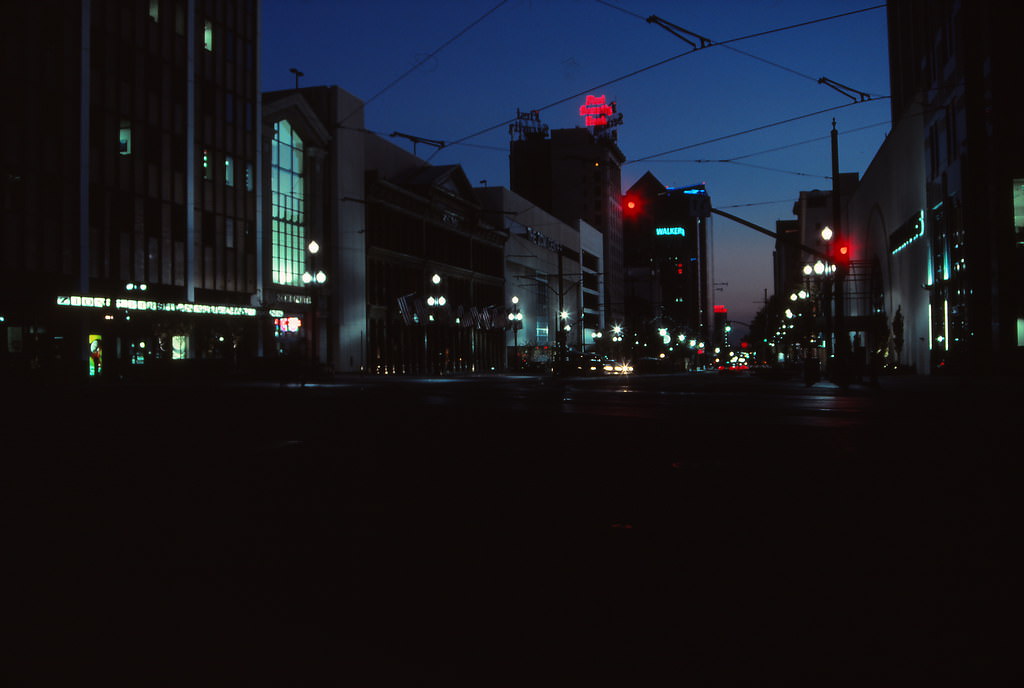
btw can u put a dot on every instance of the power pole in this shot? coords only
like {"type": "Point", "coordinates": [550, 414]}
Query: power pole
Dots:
{"type": "Point", "coordinates": [841, 338]}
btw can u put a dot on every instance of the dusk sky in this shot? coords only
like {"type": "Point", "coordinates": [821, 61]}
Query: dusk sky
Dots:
{"type": "Point", "coordinates": [738, 116]}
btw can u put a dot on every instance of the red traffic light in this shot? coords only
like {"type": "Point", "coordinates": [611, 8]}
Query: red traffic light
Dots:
{"type": "Point", "coordinates": [843, 254]}
{"type": "Point", "coordinates": [632, 205]}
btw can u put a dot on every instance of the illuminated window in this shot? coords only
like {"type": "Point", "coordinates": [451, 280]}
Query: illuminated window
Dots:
{"type": "Point", "coordinates": [207, 35]}
{"type": "Point", "coordinates": [287, 201]}
{"type": "Point", "coordinates": [249, 182]}
{"type": "Point", "coordinates": [154, 10]}
{"type": "Point", "coordinates": [229, 170]}
{"type": "Point", "coordinates": [179, 346]}
{"type": "Point", "coordinates": [95, 354]}
{"type": "Point", "coordinates": [1018, 211]}
{"type": "Point", "coordinates": [125, 138]}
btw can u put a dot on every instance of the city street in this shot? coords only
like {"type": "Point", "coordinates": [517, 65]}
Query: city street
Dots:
{"type": "Point", "coordinates": [511, 531]}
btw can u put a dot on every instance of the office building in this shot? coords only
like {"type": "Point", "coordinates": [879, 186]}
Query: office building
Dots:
{"type": "Point", "coordinates": [940, 209]}
{"type": "Point", "coordinates": [576, 174]}
{"type": "Point", "coordinates": [130, 215]}
{"type": "Point", "coordinates": [667, 260]}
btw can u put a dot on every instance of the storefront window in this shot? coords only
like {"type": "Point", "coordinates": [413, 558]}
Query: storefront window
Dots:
{"type": "Point", "coordinates": [95, 354]}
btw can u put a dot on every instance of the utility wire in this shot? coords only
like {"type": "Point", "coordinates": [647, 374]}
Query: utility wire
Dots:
{"type": "Point", "coordinates": [747, 164]}
{"type": "Point", "coordinates": [747, 131]}
{"type": "Point", "coordinates": [655, 65]}
{"type": "Point", "coordinates": [736, 158]}
{"type": "Point", "coordinates": [748, 205]}
{"type": "Point", "coordinates": [572, 97]}
{"type": "Point", "coordinates": [708, 43]}
{"type": "Point", "coordinates": [426, 59]}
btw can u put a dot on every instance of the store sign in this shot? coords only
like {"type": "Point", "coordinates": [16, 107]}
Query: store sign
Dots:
{"type": "Point", "coordinates": [162, 306]}
{"type": "Point", "coordinates": [542, 240]}
{"type": "Point", "coordinates": [285, 297]}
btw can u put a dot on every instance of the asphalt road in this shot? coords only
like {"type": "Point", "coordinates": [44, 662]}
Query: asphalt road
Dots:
{"type": "Point", "coordinates": [502, 531]}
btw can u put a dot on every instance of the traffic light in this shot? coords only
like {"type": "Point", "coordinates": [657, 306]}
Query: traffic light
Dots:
{"type": "Point", "coordinates": [843, 254]}
{"type": "Point", "coordinates": [632, 206]}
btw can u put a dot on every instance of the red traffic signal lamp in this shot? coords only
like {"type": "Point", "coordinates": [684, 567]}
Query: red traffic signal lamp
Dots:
{"type": "Point", "coordinates": [632, 206]}
{"type": "Point", "coordinates": [843, 254]}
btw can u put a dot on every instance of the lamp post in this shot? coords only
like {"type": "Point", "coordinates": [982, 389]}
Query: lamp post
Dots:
{"type": "Point", "coordinates": [827, 270]}
{"type": "Point", "coordinates": [515, 318]}
{"type": "Point", "coordinates": [316, 281]}
{"type": "Point", "coordinates": [436, 300]}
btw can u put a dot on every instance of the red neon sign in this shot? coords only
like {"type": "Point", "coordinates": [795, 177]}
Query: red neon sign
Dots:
{"type": "Point", "coordinates": [721, 309]}
{"type": "Point", "coordinates": [596, 111]}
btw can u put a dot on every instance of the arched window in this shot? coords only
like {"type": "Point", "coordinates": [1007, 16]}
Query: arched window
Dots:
{"type": "Point", "coordinates": [288, 212]}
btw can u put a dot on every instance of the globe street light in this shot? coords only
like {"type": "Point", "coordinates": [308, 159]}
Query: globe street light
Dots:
{"type": "Point", "coordinates": [316, 279]}
{"type": "Point", "coordinates": [516, 321]}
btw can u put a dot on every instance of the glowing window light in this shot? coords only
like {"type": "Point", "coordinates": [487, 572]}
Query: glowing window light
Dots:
{"type": "Point", "coordinates": [288, 219]}
{"type": "Point", "coordinates": [125, 138]}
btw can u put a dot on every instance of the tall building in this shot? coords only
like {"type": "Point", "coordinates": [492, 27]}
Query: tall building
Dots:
{"type": "Point", "coordinates": [314, 198]}
{"type": "Point", "coordinates": [576, 174]}
{"type": "Point", "coordinates": [129, 219]}
{"type": "Point", "coordinates": [941, 209]}
{"type": "Point", "coordinates": [666, 250]}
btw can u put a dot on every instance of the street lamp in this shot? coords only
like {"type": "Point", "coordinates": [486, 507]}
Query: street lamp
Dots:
{"type": "Point", "coordinates": [316, 279]}
{"type": "Point", "coordinates": [516, 320]}
{"type": "Point", "coordinates": [438, 300]}
{"type": "Point", "coordinates": [436, 343]}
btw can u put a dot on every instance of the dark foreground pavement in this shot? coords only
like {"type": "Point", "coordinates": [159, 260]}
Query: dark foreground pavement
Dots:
{"type": "Point", "coordinates": [508, 535]}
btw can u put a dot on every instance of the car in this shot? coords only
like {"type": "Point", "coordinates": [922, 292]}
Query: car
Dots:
{"type": "Point", "coordinates": [612, 367]}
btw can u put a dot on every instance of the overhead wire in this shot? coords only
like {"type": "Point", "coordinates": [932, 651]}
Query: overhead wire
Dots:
{"type": "Point", "coordinates": [665, 61]}
{"type": "Point", "coordinates": [737, 158]}
{"type": "Point", "coordinates": [746, 131]}
{"type": "Point", "coordinates": [429, 57]}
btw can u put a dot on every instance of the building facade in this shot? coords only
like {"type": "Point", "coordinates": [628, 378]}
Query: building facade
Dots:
{"type": "Point", "coordinates": [940, 209]}
{"type": "Point", "coordinates": [552, 281]}
{"type": "Point", "coordinates": [667, 261]}
{"type": "Point", "coordinates": [576, 174]}
{"type": "Point", "coordinates": [435, 269]}
{"type": "Point", "coordinates": [130, 213]}
{"type": "Point", "coordinates": [315, 301]}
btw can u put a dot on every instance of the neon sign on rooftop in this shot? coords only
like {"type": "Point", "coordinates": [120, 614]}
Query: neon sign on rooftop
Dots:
{"type": "Point", "coordinates": [596, 111]}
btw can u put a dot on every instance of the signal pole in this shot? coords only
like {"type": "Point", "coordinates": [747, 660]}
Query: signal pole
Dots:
{"type": "Point", "coordinates": [839, 335]}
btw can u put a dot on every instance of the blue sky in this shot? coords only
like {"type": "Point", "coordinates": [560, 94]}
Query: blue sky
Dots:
{"type": "Point", "coordinates": [457, 71]}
